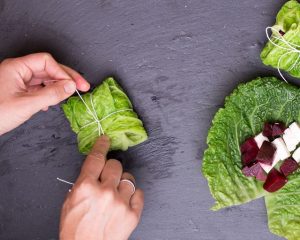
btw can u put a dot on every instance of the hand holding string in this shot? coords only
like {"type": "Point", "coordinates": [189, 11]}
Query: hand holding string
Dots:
{"type": "Point", "coordinates": [24, 92]}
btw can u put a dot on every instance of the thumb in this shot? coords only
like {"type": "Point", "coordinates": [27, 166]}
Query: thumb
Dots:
{"type": "Point", "coordinates": [53, 94]}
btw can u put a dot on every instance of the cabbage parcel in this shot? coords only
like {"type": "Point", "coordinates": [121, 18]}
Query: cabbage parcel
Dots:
{"type": "Point", "coordinates": [284, 53]}
{"type": "Point", "coordinates": [246, 110]}
{"type": "Point", "coordinates": [109, 104]}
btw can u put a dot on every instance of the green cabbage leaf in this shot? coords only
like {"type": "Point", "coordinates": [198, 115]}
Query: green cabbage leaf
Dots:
{"type": "Point", "coordinates": [245, 111]}
{"type": "Point", "coordinates": [109, 104]}
{"type": "Point", "coordinates": [283, 209]}
{"type": "Point", "coordinates": [281, 55]}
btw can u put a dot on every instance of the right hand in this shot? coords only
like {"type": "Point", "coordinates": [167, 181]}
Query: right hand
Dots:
{"type": "Point", "coordinates": [100, 206]}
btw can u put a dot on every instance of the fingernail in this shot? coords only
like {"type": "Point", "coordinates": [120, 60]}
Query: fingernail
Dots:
{"type": "Point", "coordinates": [70, 87]}
{"type": "Point", "coordinates": [87, 85]}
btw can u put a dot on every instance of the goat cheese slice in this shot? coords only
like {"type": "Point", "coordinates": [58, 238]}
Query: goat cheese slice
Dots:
{"type": "Point", "coordinates": [295, 129]}
{"type": "Point", "coordinates": [259, 139]}
{"type": "Point", "coordinates": [282, 152]}
{"type": "Point", "coordinates": [296, 155]}
{"type": "Point", "coordinates": [290, 139]}
{"type": "Point", "coordinates": [265, 167]}
{"type": "Point", "coordinates": [268, 168]}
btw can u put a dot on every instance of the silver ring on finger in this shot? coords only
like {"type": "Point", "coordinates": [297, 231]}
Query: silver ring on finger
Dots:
{"type": "Point", "coordinates": [130, 183]}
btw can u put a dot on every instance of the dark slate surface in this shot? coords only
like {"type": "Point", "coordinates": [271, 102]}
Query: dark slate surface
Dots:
{"type": "Point", "coordinates": [177, 59]}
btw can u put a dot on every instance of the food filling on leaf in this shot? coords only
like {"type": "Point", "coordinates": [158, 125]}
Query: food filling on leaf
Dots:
{"type": "Point", "coordinates": [267, 155]}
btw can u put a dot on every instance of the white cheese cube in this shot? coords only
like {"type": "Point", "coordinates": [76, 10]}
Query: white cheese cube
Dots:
{"type": "Point", "coordinates": [259, 139]}
{"type": "Point", "coordinates": [268, 168]}
{"type": "Point", "coordinates": [295, 129]}
{"type": "Point", "coordinates": [281, 150]}
{"type": "Point", "coordinates": [290, 140]}
{"type": "Point", "coordinates": [296, 155]}
{"type": "Point", "coordinates": [265, 167]}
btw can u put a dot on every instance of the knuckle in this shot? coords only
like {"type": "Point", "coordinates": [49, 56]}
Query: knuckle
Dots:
{"type": "Point", "coordinates": [97, 155]}
{"type": "Point", "coordinates": [46, 55]}
{"type": "Point", "coordinates": [108, 193]}
{"type": "Point", "coordinates": [11, 63]}
{"type": "Point", "coordinates": [7, 61]}
{"type": "Point", "coordinates": [115, 164]}
{"type": "Point", "coordinates": [86, 187]}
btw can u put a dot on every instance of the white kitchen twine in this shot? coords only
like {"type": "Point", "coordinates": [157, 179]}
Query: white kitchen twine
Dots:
{"type": "Point", "coordinates": [64, 181]}
{"type": "Point", "coordinates": [93, 112]}
{"type": "Point", "coordinates": [290, 47]}
{"type": "Point", "coordinates": [98, 121]}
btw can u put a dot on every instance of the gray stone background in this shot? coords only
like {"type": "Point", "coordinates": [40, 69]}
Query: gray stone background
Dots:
{"type": "Point", "coordinates": [177, 60]}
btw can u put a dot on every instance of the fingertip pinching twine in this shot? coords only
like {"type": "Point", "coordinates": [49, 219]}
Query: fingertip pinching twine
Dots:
{"type": "Point", "coordinates": [290, 47]}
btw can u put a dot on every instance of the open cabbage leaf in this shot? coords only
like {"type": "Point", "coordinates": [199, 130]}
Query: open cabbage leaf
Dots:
{"type": "Point", "coordinates": [246, 110]}
{"type": "Point", "coordinates": [282, 55]}
{"type": "Point", "coordinates": [283, 209]}
{"type": "Point", "coordinates": [113, 109]}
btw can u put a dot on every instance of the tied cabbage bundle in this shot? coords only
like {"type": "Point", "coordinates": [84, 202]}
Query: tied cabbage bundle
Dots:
{"type": "Point", "coordinates": [245, 112]}
{"type": "Point", "coordinates": [109, 105]}
{"type": "Point", "coordinates": [283, 49]}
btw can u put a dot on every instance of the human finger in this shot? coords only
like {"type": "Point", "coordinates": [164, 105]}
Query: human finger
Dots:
{"type": "Point", "coordinates": [112, 173]}
{"type": "Point", "coordinates": [43, 65]}
{"type": "Point", "coordinates": [36, 88]}
{"type": "Point", "coordinates": [50, 95]}
{"type": "Point", "coordinates": [39, 63]}
{"type": "Point", "coordinates": [81, 83]}
{"type": "Point", "coordinates": [95, 161]}
{"type": "Point", "coordinates": [137, 202]}
{"type": "Point", "coordinates": [33, 88]}
{"type": "Point", "coordinates": [126, 186]}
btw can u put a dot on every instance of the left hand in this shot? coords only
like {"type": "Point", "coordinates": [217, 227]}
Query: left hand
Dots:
{"type": "Point", "coordinates": [32, 83]}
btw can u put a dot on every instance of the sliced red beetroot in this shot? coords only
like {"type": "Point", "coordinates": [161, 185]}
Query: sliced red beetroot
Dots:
{"type": "Point", "coordinates": [249, 151]}
{"type": "Point", "coordinates": [289, 166]}
{"type": "Point", "coordinates": [248, 158]}
{"type": "Point", "coordinates": [255, 170]}
{"type": "Point", "coordinates": [261, 175]}
{"type": "Point", "coordinates": [249, 145]}
{"type": "Point", "coordinates": [273, 129]}
{"type": "Point", "coordinates": [266, 153]}
{"type": "Point", "coordinates": [278, 129]}
{"type": "Point", "coordinates": [267, 131]}
{"type": "Point", "coordinates": [251, 171]}
{"type": "Point", "coordinates": [275, 180]}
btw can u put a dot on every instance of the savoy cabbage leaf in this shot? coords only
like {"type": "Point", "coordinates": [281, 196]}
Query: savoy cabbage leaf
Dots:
{"type": "Point", "coordinates": [113, 109]}
{"type": "Point", "coordinates": [283, 52]}
{"type": "Point", "coordinates": [283, 209]}
{"type": "Point", "coordinates": [245, 111]}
